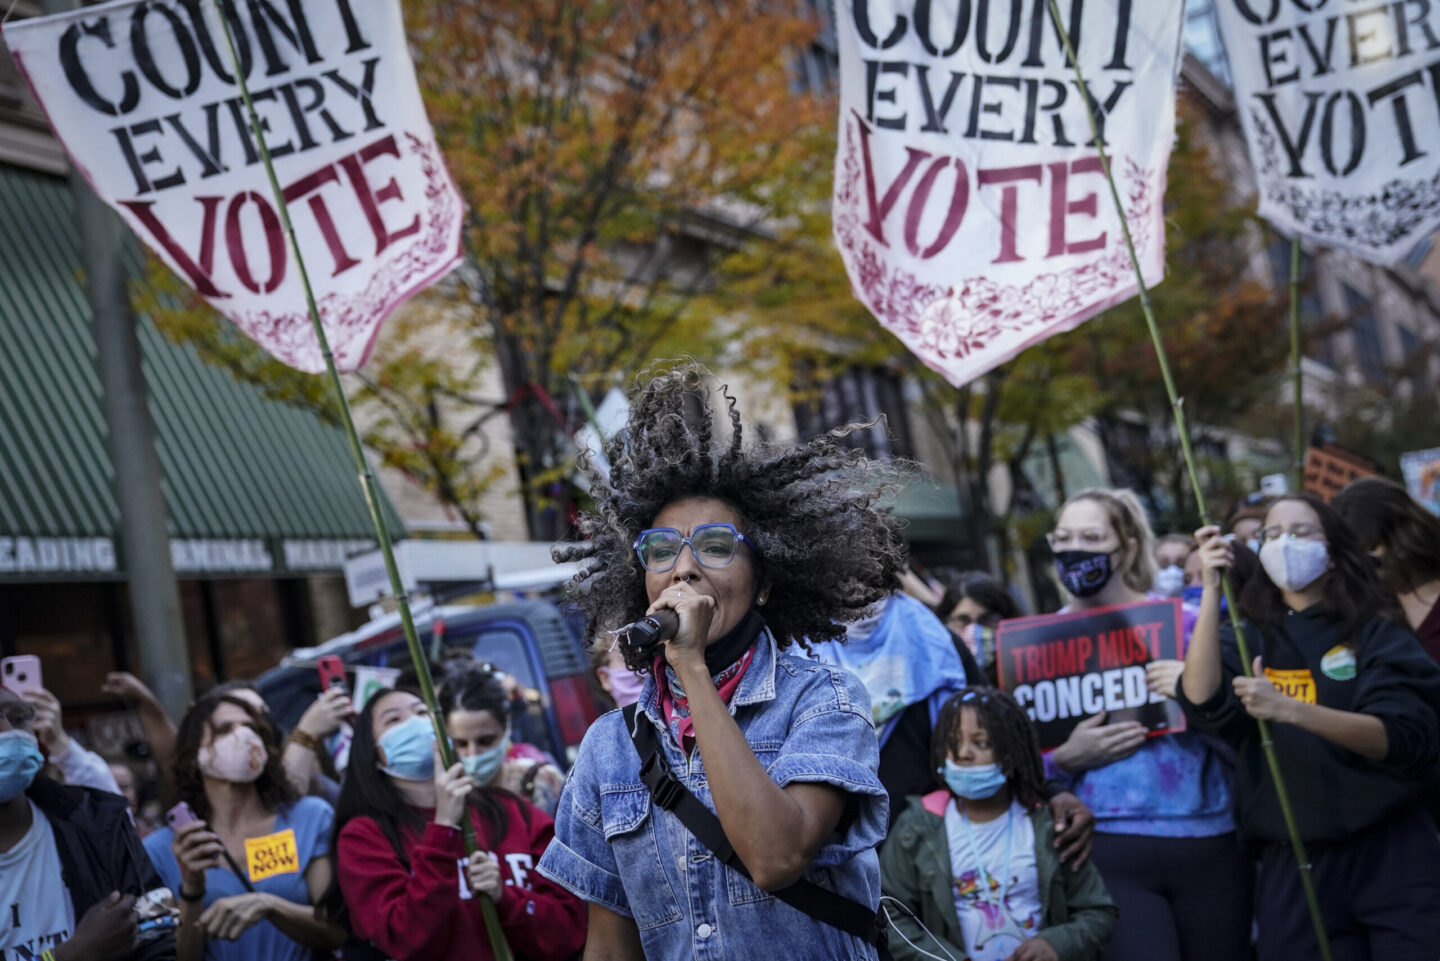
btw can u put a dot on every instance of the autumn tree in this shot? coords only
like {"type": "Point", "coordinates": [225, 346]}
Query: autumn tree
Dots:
{"type": "Point", "coordinates": [605, 150]}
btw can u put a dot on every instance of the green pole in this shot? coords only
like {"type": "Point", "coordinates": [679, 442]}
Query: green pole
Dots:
{"type": "Point", "coordinates": [1295, 362]}
{"type": "Point", "coordinates": [589, 409]}
{"type": "Point", "coordinates": [1177, 406]}
{"type": "Point", "coordinates": [498, 946]}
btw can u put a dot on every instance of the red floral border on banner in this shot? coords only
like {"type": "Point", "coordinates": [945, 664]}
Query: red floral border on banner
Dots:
{"type": "Point", "coordinates": [348, 317]}
{"type": "Point", "coordinates": [937, 317]}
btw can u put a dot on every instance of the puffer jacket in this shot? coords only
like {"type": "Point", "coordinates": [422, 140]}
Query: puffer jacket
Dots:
{"type": "Point", "coordinates": [1077, 914]}
{"type": "Point", "coordinates": [99, 852]}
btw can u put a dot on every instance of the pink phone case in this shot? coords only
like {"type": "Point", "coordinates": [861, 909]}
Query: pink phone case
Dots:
{"type": "Point", "coordinates": [179, 816]}
{"type": "Point", "coordinates": [21, 673]}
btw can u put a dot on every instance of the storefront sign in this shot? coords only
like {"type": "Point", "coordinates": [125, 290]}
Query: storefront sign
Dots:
{"type": "Point", "coordinates": [970, 207]}
{"type": "Point", "coordinates": [42, 558]}
{"type": "Point", "coordinates": [1064, 668]}
{"type": "Point", "coordinates": [142, 95]}
{"type": "Point", "coordinates": [57, 555]}
{"type": "Point", "coordinates": [1339, 105]}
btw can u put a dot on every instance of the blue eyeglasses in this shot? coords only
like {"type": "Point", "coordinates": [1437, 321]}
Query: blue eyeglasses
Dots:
{"type": "Point", "coordinates": [714, 545]}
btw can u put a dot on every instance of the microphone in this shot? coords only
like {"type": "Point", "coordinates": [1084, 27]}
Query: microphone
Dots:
{"type": "Point", "coordinates": [651, 631]}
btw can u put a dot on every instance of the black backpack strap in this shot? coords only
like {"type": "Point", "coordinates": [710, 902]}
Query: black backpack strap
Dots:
{"type": "Point", "coordinates": [669, 794]}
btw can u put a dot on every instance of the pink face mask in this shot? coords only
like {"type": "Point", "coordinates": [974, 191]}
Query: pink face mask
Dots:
{"type": "Point", "coordinates": [238, 756]}
{"type": "Point", "coordinates": [625, 685]}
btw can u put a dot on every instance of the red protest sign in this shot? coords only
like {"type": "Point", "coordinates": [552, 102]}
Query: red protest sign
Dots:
{"type": "Point", "coordinates": [1329, 468]}
{"type": "Point", "coordinates": [1064, 668]}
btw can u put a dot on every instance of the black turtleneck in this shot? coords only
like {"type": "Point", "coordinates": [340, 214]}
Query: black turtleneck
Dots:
{"type": "Point", "coordinates": [728, 649]}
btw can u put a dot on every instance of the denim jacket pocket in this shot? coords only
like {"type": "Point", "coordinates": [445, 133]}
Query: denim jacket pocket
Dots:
{"type": "Point", "coordinates": [632, 833]}
{"type": "Point", "coordinates": [741, 889]}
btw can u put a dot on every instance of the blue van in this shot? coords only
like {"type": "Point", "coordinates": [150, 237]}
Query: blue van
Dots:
{"type": "Point", "coordinates": [531, 640]}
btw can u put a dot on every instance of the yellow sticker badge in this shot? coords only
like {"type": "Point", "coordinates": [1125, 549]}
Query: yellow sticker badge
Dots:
{"type": "Point", "coordinates": [1297, 684]}
{"type": "Point", "coordinates": [271, 855]}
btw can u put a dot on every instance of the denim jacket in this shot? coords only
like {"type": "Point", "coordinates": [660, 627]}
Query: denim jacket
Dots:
{"type": "Point", "coordinates": [806, 722]}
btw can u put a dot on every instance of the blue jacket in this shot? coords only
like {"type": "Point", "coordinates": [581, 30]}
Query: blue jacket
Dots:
{"type": "Point", "coordinates": [806, 722]}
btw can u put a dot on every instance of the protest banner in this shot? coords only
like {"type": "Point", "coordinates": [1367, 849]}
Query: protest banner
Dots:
{"type": "Point", "coordinates": [1064, 668]}
{"type": "Point", "coordinates": [968, 184]}
{"type": "Point", "coordinates": [1421, 469]}
{"type": "Point", "coordinates": [144, 100]}
{"type": "Point", "coordinates": [1339, 106]}
{"type": "Point", "coordinates": [1329, 468]}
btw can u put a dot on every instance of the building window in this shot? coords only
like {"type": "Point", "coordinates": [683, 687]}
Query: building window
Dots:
{"type": "Point", "coordinates": [1369, 352]}
{"type": "Point", "coordinates": [857, 396]}
{"type": "Point", "coordinates": [1312, 309]}
{"type": "Point", "coordinates": [1202, 38]}
{"type": "Point", "coordinates": [1409, 342]}
{"type": "Point", "coordinates": [818, 69]}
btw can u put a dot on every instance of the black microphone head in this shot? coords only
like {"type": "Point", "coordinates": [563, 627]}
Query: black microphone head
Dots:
{"type": "Point", "coordinates": [654, 628]}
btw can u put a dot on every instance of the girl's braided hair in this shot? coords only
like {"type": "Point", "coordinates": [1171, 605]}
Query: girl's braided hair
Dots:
{"type": "Point", "coordinates": [1012, 738]}
{"type": "Point", "coordinates": [827, 550]}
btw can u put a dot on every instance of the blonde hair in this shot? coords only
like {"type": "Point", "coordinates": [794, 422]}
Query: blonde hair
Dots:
{"type": "Point", "coordinates": [1127, 516]}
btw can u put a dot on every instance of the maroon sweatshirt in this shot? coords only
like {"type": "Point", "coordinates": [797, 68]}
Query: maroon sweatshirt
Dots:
{"type": "Point", "coordinates": [418, 914]}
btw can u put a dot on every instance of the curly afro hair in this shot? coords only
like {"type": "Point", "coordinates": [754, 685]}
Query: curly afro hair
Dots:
{"type": "Point", "coordinates": [829, 552]}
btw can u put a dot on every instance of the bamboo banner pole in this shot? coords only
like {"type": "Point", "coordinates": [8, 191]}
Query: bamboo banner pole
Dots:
{"type": "Point", "coordinates": [498, 946]}
{"type": "Point", "coordinates": [1177, 406]}
{"type": "Point", "coordinates": [1295, 362]}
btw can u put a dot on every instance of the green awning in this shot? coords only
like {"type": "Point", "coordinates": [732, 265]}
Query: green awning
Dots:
{"type": "Point", "coordinates": [252, 485]}
{"type": "Point", "coordinates": [933, 512]}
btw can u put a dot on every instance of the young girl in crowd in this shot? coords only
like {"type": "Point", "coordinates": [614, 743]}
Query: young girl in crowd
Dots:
{"type": "Point", "coordinates": [1165, 839]}
{"type": "Point", "coordinates": [974, 862]}
{"type": "Point", "coordinates": [400, 853]}
{"type": "Point", "coordinates": [248, 871]}
{"type": "Point", "coordinates": [1354, 724]}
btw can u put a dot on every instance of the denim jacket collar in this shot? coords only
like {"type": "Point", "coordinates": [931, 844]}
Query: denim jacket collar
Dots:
{"type": "Point", "coordinates": [756, 687]}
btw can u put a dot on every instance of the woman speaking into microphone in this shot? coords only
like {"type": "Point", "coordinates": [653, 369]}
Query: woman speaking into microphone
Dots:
{"type": "Point", "coordinates": [735, 810]}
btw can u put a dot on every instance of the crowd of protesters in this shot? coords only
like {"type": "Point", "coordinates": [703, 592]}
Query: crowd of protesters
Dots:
{"type": "Point", "coordinates": [813, 761]}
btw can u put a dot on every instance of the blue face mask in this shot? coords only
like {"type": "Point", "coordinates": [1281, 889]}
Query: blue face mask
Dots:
{"type": "Point", "coordinates": [975, 782]}
{"type": "Point", "coordinates": [483, 767]}
{"type": "Point", "coordinates": [410, 750]}
{"type": "Point", "coordinates": [20, 761]}
{"type": "Point", "coordinates": [1192, 594]}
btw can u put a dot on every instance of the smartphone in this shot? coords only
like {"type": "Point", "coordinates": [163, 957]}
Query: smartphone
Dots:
{"type": "Point", "coordinates": [179, 816]}
{"type": "Point", "coordinates": [332, 672]}
{"type": "Point", "coordinates": [20, 673]}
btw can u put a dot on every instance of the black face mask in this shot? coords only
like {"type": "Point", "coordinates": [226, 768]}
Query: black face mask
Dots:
{"type": "Point", "coordinates": [1084, 573]}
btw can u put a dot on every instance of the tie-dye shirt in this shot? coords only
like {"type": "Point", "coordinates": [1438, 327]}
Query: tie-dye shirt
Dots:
{"type": "Point", "coordinates": [1176, 786]}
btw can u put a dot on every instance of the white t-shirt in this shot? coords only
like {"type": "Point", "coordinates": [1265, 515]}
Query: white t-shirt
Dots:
{"type": "Point", "coordinates": [35, 909]}
{"type": "Point", "coordinates": [993, 928]}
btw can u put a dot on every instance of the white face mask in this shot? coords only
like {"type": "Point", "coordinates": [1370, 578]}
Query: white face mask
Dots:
{"type": "Point", "coordinates": [1293, 563]}
{"type": "Point", "coordinates": [1170, 581]}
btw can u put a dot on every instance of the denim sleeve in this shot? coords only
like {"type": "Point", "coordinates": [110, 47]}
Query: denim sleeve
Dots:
{"type": "Point", "coordinates": [832, 741]}
{"type": "Point", "coordinates": [579, 857]}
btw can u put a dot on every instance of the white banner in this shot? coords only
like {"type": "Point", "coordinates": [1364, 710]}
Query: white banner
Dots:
{"type": "Point", "coordinates": [970, 207]}
{"type": "Point", "coordinates": [144, 100]}
{"type": "Point", "coordinates": [1339, 104]}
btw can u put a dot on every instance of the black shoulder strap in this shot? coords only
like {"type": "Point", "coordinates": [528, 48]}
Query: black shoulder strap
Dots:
{"type": "Point", "coordinates": [669, 794]}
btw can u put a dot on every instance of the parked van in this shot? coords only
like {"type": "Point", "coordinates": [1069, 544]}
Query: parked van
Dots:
{"type": "Point", "coordinates": [531, 640]}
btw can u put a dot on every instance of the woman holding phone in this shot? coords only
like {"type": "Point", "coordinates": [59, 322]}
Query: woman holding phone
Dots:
{"type": "Point", "coordinates": [247, 860]}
